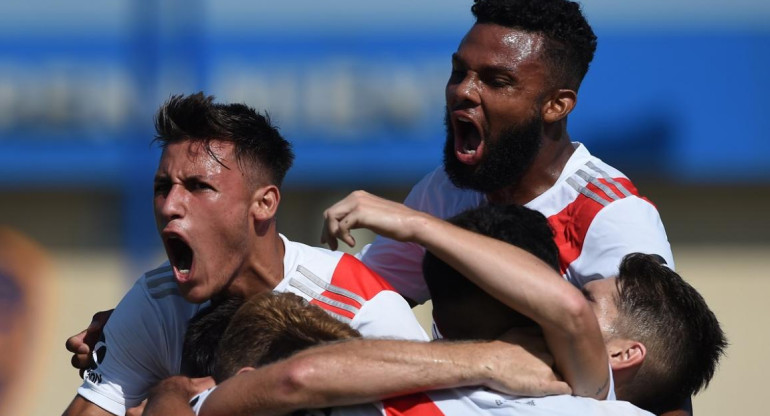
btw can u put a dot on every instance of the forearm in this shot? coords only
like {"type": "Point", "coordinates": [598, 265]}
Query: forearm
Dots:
{"type": "Point", "coordinates": [352, 372]}
{"type": "Point", "coordinates": [512, 275]}
{"type": "Point", "coordinates": [528, 285]}
{"type": "Point", "coordinates": [82, 407]}
{"type": "Point", "coordinates": [168, 403]}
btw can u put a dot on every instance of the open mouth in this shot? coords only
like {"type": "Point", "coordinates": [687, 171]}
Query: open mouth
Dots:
{"type": "Point", "coordinates": [180, 255]}
{"type": "Point", "coordinates": [468, 140]}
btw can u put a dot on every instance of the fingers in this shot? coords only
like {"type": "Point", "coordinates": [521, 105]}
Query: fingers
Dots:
{"type": "Point", "coordinates": [555, 388]}
{"type": "Point", "coordinates": [339, 219]}
{"type": "Point", "coordinates": [75, 343]}
{"type": "Point", "coordinates": [81, 344]}
{"type": "Point", "coordinates": [79, 349]}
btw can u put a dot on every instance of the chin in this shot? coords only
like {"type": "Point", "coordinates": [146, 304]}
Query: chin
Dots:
{"type": "Point", "coordinates": [194, 295]}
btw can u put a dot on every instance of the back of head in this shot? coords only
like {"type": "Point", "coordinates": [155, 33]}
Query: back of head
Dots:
{"type": "Point", "coordinates": [203, 334]}
{"type": "Point", "coordinates": [272, 326]}
{"type": "Point", "coordinates": [682, 336]}
{"type": "Point", "coordinates": [570, 41]}
{"type": "Point", "coordinates": [461, 309]}
{"type": "Point", "coordinates": [259, 147]}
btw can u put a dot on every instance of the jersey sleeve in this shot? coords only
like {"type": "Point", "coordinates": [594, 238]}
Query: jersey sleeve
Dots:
{"type": "Point", "coordinates": [625, 226]}
{"type": "Point", "coordinates": [388, 315]}
{"type": "Point", "coordinates": [401, 263]}
{"type": "Point", "coordinates": [131, 355]}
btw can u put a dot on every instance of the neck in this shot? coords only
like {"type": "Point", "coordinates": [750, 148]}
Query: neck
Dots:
{"type": "Point", "coordinates": [541, 175]}
{"type": "Point", "coordinates": [262, 270]}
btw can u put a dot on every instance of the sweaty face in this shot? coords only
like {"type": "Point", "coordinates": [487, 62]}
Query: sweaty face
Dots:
{"type": "Point", "coordinates": [493, 102]}
{"type": "Point", "coordinates": [201, 211]}
{"type": "Point", "coordinates": [603, 294]}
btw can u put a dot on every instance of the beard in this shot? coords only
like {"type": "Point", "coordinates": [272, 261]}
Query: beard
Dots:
{"type": "Point", "coordinates": [506, 157]}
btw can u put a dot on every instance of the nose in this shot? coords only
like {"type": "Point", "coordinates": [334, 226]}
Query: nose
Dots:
{"type": "Point", "coordinates": [171, 205]}
{"type": "Point", "coordinates": [464, 91]}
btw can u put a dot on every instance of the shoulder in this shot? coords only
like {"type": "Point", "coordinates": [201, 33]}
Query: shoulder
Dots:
{"type": "Point", "coordinates": [587, 187]}
{"type": "Point", "coordinates": [153, 307]}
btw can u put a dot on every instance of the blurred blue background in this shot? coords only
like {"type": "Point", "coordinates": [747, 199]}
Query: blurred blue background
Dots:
{"type": "Point", "coordinates": [675, 98]}
{"type": "Point", "coordinates": [676, 92]}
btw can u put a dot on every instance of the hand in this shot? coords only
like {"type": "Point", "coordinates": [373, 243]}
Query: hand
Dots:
{"type": "Point", "coordinates": [364, 210]}
{"type": "Point", "coordinates": [522, 365]}
{"type": "Point", "coordinates": [82, 344]}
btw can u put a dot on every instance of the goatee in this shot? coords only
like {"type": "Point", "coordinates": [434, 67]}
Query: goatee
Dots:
{"type": "Point", "coordinates": [505, 160]}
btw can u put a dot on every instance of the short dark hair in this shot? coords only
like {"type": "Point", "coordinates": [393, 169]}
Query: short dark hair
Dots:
{"type": "Point", "coordinates": [271, 326]}
{"type": "Point", "coordinates": [682, 336]}
{"type": "Point", "coordinates": [463, 310]}
{"type": "Point", "coordinates": [196, 117]}
{"type": "Point", "coordinates": [204, 331]}
{"type": "Point", "coordinates": [570, 41]}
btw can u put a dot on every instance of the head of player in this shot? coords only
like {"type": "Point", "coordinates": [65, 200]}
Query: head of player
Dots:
{"type": "Point", "coordinates": [267, 327]}
{"type": "Point", "coordinates": [216, 196]}
{"type": "Point", "coordinates": [514, 80]}
{"type": "Point", "coordinates": [663, 341]}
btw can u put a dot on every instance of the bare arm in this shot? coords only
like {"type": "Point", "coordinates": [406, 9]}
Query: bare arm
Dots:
{"type": "Point", "coordinates": [362, 371]}
{"type": "Point", "coordinates": [82, 407]}
{"type": "Point", "coordinates": [172, 396]}
{"type": "Point", "coordinates": [510, 274]}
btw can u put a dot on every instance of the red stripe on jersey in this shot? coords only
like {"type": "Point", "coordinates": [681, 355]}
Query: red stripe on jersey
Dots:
{"type": "Point", "coordinates": [352, 275]}
{"type": "Point", "coordinates": [418, 404]}
{"type": "Point", "coordinates": [598, 191]}
{"type": "Point", "coordinates": [570, 225]}
{"type": "Point", "coordinates": [632, 189]}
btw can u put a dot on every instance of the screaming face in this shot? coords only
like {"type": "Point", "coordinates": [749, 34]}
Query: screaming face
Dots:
{"type": "Point", "coordinates": [499, 161]}
{"type": "Point", "coordinates": [493, 107]}
{"type": "Point", "coordinates": [201, 211]}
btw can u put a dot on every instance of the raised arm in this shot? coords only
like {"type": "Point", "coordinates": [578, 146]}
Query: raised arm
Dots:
{"type": "Point", "coordinates": [510, 274]}
{"type": "Point", "coordinates": [361, 371]}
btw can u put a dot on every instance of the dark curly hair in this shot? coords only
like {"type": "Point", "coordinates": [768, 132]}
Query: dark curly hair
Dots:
{"type": "Point", "coordinates": [570, 41]}
{"type": "Point", "coordinates": [197, 117]}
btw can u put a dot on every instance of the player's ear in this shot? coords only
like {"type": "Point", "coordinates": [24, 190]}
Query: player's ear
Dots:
{"type": "Point", "coordinates": [558, 105]}
{"type": "Point", "coordinates": [626, 354]}
{"type": "Point", "coordinates": [245, 370]}
{"type": "Point", "coordinates": [264, 202]}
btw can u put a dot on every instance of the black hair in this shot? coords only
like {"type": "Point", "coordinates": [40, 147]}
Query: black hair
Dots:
{"type": "Point", "coordinates": [203, 334]}
{"type": "Point", "coordinates": [456, 300]}
{"type": "Point", "coordinates": [683, 338]}
{"type": "Point", "coordinates": [256, 141]}
{"type": "Point", "coordinates": [570, 41]}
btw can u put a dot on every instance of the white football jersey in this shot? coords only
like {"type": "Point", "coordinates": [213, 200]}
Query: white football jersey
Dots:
{"type": "Point", "coordinates": [596, 213]}
{"type": "Point", "coordinates": [142, 342]}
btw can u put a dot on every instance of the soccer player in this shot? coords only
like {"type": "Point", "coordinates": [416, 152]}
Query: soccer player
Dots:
{"type": "Point", "coordinates": [662, 340]}
{"type": "Point", "coordinates": [514, 81]}
{"type": "Point", "coordinates": [216, 197]}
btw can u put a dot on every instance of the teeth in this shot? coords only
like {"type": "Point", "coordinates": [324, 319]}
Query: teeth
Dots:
{"type": "Point", "coordinates": [184, 271]}
{"type": "Point", "coordinates": [464, 119]}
